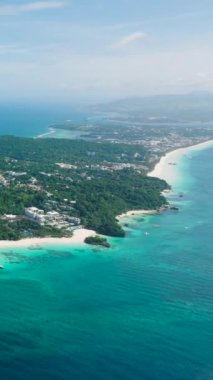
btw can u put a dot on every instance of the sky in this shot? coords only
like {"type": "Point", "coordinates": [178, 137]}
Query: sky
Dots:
{"type": "Point", "coordinates": [93, 50]}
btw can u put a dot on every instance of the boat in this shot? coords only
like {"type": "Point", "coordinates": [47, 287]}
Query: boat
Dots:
{"type": "Point", "coordinates": [1, 266]}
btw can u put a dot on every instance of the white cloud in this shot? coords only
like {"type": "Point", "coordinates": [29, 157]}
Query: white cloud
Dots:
{"type": "Point", "coordinates": [14, 9]}
{"type": "Point", "coordinates": [127, 40]}
{"type": "Point", "coordinates": [65, 74]}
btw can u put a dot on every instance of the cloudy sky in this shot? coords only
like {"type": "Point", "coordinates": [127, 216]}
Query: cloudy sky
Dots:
{"type": "Point", "coordinates": [102, 49]}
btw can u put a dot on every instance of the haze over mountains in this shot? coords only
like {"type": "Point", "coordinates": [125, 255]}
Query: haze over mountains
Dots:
{"type": "Point", "coordinates": [193, 107]}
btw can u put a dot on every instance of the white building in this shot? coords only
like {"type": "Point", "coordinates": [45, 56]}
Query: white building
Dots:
{"type": "Point", "coordinates": [53, 215]}
{"type": "Point", "coordinates": [35, 214]}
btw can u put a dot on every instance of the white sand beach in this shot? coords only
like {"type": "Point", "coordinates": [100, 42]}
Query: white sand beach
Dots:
{"type": "Point", "coordinates": [136, 212]}
{"type": "Point", "coordinates": [50, 132]}
{"type": "Point", "coordinates": [165, 168]}
{"type": "Point", "coordinates": [78, 238]}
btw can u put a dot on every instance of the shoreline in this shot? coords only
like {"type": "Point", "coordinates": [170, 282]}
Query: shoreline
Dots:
{"type": "Point", "coordinates": [162, 170]}
{"type": "Point", "coordinates": [136, 212]}
{"type": "Point", "coordinates": [50, 132]}
{"type": "Point", "coordinates": [167, 163]}
{"type": "Point", "coordinates": [32, 243]}
{"type": "Point", "coordinates": [165, 171]}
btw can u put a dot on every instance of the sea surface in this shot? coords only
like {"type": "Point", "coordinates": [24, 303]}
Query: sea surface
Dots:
{"type": "Point", "coordinates": [32, 120]}
{"type": "Point", "coordinates": [142, 310]}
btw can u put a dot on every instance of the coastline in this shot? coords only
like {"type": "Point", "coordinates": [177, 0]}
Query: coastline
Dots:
{"type": "Point", "coordinates": [78, 238]}
{"type": "Point", "coordinates": [50, 132]}
{"type": "Point", "coordinates": [136, 212]}
{"type": "Point", "coordinates": [165, 171]}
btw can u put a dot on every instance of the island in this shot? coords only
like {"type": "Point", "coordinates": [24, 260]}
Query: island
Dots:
{"type": "Point", "coordinates": [51, 187]}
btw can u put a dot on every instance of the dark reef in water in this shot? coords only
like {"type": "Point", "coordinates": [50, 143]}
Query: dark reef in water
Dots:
{"type": "Point", "coordinates": [97, 240]}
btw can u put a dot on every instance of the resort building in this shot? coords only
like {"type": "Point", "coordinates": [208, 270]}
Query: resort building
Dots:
{"type": "Point", "coordinates": [35, 214]}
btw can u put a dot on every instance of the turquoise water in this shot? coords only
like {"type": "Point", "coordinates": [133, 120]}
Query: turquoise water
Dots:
{"type": "Point", "coordinates": [141, 310]}
{"type": "Point", "coordinates": [30, 120]}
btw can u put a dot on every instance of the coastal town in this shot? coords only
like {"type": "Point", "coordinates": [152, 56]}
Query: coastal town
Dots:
{"type": "Point", "coordinates": [157, 139]}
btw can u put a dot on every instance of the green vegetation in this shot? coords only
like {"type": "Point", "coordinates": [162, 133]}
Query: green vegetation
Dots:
{"type": "Point", "coordinates": [26, 229]}
{"type": "Point", "coordinates": [97, 240]}
{"type": "Point", "coordinates": [94, 185]}
{"type": "Point", "coordinates": [62, 150]}
{"type": "Point", "coordinates": [153, 125]}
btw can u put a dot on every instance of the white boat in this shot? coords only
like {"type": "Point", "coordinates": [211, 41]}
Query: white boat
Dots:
{"type": "Point", "coordinates": [1, 266]}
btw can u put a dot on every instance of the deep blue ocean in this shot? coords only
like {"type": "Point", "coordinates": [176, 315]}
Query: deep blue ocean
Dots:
{"type": "Point", "coordinates": [142, 310]}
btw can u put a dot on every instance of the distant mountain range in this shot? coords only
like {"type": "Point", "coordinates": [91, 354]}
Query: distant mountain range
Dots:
{"type": "Point", "coordinates": [183, 108]}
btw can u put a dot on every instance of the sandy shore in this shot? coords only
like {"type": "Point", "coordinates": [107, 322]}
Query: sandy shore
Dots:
{"type": "Point", "coordinates": [78, 238]}
{"type": "Point", "coordinates": [136, 212]}
{"type": "Point", "coordinates": [50, 132]}
{"type": "Point", "coordinates": [165, 168]}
